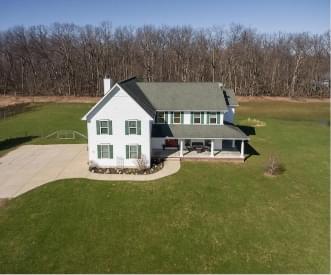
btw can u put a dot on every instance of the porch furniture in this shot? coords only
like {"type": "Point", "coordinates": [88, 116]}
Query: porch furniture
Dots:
{"type": "Point", "coordinates": [199, 149]}
{"type": "Point", "coordinates": [189, 148]}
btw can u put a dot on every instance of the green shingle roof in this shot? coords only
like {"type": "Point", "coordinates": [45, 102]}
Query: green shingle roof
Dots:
{"type": "Point", "coordinates": [230, 97]}
{"type": "Point", "coordinates": [198, 131]}
{"type": "Point", "coordinates": [206, 96]}
{"type": "Point", "coordinates": [131, 87]}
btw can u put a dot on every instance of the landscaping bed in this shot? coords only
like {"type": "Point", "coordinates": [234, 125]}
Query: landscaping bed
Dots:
{"type": "Point", "coordinates": [156, 165]}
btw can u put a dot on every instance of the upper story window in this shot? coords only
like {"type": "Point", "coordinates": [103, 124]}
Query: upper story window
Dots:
{"type": "Point", "coordinates": [104, 127]}
{"type": "Point", "coordinates": [212, 118]}
{"type": "Point", "coordinates": [133, 127]}
{"type": "Point", "coordinates": [197, 117]}
{"type": "Point", "coordinates": [161, 117]}
{"type": "Point", "coordinates": [177, 118]}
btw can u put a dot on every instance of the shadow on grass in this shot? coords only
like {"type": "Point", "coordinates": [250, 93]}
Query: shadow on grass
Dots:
{"type": "Point", "coordinates": [13, 110]}
{"type": "Point", "coordinates": [248, 130]}
{"type": "Point", "coordinates": [249, 149]}
{"type": "Point", "coordinates": [13, 142]}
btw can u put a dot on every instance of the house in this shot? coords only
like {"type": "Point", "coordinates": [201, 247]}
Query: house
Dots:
{"type": "Point", "coordinates": [162, 119]}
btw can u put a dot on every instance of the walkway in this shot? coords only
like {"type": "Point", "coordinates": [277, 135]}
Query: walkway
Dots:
{"type": "Point", "coordinates": [31, 166]}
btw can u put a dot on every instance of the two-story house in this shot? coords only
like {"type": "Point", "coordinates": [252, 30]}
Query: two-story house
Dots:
{"type": "Point", "coordinates": [135, 119]}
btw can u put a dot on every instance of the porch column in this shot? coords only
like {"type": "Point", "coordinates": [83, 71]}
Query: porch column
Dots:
{"type": "Point", "coordinates": [221, 144]}
{"type": "Point", "coordinates": [212, 148]}
{"type": "Point", "coordinates": [233, 143]}
{"type": "Point", "coordinates": [181, 148]}
{"type": "Point", "coordinates": [242, 149]}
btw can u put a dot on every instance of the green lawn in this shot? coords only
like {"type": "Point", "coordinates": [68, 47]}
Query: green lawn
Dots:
{"type": "Point", "coordinates": [207, 218]}
{"type": "Point", "coordinates": [33, 126]}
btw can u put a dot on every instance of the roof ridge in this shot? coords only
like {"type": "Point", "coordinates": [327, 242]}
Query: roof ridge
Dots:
{"type": "Point", "coordinates": [126, 80]}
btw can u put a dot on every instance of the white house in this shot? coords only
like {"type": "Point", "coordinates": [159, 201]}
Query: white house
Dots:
{"type": "Point", "coordinates": [135, 119]}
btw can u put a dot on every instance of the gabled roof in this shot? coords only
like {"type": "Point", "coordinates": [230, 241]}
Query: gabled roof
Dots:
{"type": "Point", "coordinates": [131, 87]}
{"type": "Point", "coordinates": [230, 97]}
{"type": "Point", "coordinates": [203, 96]}
{"type": "Point", "coordinates": [128, 86]}
{"type": "Point", "coordinates": [198, 131]}
{"type": "Point", "coordinates": [173, 96]}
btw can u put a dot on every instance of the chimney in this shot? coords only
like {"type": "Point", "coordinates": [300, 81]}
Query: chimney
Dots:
{"type": "Point", "coordinates": [107, 84]}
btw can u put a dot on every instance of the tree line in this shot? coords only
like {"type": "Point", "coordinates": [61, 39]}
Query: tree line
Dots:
{"type": "Point", "coordinates": [66, 59]}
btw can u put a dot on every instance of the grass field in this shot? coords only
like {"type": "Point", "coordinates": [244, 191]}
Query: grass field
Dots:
{"type": "Point", "coordinates": [40, 120]}
{"type": "Point", "coordinates": [207, 218]}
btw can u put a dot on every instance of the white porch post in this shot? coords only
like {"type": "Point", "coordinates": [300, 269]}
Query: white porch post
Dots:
{"type": "Point", "coordinates": [212, 148]}
{"type": "Point", "coordinates": [221, 144]}
{"type": "Point", "coordinates": [233, 143]}
{"type": "Point", "coordinates": [181, 148]}
{"type": "Point", "coordinates": [242, 149]}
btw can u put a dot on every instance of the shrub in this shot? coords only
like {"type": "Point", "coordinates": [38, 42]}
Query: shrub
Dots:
{"type": "Point", "coordinates": [142, 163]}
{"type": "Point", "coordinates": [273, 166]}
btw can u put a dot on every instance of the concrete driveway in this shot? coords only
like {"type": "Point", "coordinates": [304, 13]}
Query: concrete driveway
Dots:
{"type": "Point", "coordinates": [30, 166]}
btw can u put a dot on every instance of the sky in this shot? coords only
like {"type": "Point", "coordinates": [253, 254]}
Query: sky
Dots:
{"type": "Point", "coordinates": [263, 15]}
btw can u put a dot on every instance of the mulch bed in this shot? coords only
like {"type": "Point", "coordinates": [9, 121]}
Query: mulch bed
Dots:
{"type": "Point", "coordinates": [156, 165]}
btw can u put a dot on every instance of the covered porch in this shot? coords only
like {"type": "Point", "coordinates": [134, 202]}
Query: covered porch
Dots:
{"type": "Point", "coordinates": [228, 150]}
{"type": "Point", "coordinates": [198, 141]}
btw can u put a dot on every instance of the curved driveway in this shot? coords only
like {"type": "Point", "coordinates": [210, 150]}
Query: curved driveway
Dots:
{"type": "Point", "coordinates": [30, 166]}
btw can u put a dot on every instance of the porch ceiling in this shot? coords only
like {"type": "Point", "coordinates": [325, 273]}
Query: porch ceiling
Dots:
{"type": "Point", "coordinates": [184, 131]}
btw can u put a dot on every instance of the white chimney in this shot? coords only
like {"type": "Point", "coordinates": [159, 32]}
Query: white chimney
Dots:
{"type": "Point", "coordinates": [107, 84]}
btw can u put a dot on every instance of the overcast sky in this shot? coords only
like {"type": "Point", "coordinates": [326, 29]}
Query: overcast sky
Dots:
{"type": "Point", "coordinates": [264, 15]}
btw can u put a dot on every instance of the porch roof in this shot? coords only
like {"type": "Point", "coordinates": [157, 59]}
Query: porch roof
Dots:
{"type": "Point", "coordinates": [184, 131]}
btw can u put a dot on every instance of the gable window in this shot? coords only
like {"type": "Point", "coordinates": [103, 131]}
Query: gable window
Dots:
{"type": "Point", "coordinates": [161, 117]}
{"type": "Point", "coordinates": [133, 151]}
{"type": "Point", "coordinates": [177, 118]}
{"type": "Point", "coordinates": [212, 118]}
{"type": "Point", "coordinates": [197, 118]}
{"type": "Point", "coordinates": [104, 127]}
{"type": "Point", "coordinates": [133, 127]}
{"type": "Point", "coordinates": [105, 151]}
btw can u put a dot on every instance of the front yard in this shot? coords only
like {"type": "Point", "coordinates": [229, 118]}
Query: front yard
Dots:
{"type": "Point", "coordinates": [207, 218]}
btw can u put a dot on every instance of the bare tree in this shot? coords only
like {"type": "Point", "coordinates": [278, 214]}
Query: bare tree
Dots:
{"type": "Point", "coordinates": [66, 59]}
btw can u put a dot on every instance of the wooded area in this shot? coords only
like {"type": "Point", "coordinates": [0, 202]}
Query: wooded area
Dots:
{"type": "Point", "coordinates": [66, 59]}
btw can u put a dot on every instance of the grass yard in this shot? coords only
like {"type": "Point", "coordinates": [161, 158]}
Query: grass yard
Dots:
{"type": "Point", "coordinates": [207, 218]}
{"type": "Point", "coordinates": [40, 120]}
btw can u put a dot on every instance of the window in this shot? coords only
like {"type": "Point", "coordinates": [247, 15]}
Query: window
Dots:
{"type": "Point", "coordinates": [212, 118]}
{"type": "Point", "coordinates": [132, 127]}
{"type": "Point", "coordinates": [133, 151]}
{"type": "Point", "coordinates": [104, 127]}
{"type": "Point", "coordinates": [105, 151]}
{"type": "Point", "coordinates": [160, 117]}
{"type": "Point", "coordinates": [177, 118]}
{"type": "Point", "coordinates": [197, 118]}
